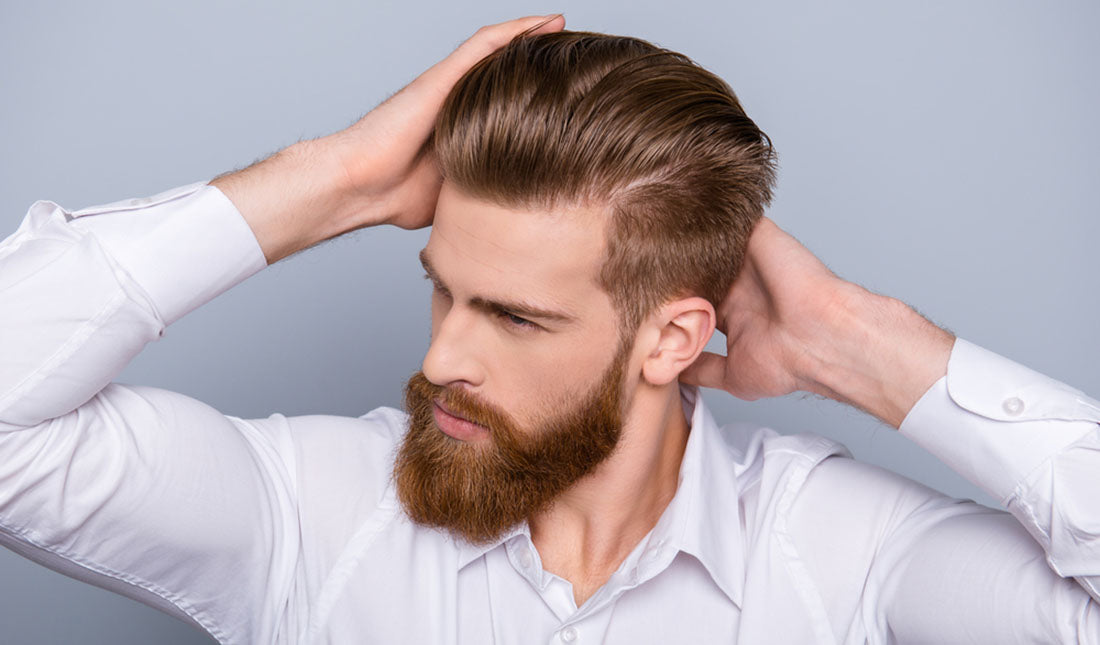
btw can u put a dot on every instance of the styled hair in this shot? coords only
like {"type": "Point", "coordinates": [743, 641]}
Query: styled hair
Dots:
{"type": "Point", "coordinates": [662, 145]}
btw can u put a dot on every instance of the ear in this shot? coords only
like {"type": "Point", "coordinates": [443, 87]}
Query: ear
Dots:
{"type": "Point", "coordinates": [683, 328]}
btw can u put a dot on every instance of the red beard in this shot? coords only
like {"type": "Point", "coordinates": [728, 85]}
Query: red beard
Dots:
{"type": "Point", "coordinates": [481, 490]}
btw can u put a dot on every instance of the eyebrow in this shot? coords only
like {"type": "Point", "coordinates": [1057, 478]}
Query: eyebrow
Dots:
{"type": "Point", "coordinates": [492, 305]}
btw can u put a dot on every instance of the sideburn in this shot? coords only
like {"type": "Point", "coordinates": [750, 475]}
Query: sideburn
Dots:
{"type": "Point", "coordinates": [480, 491]}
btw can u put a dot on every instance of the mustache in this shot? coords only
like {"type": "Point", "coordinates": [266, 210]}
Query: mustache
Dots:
{"type": "Point", "coordinates": [460, 402]}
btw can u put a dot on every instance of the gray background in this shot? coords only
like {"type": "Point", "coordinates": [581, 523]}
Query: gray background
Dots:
{"type": "Point", "coordinates": [945, 153]}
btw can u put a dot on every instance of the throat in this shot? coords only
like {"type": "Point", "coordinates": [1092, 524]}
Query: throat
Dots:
{"type": "Point", "coordinates": [588, 560]}
{"type": "Point", "coordinates": [588, 532]}
{"type": "Point", "coordinates": [584, 587]}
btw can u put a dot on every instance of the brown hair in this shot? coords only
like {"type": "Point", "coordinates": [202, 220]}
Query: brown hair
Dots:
{"type": "Point", "coordinates": [579, 118]}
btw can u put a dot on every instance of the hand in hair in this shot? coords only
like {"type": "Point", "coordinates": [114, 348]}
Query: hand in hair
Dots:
{"type": "Point", "coordinates": [791, 324]}
{"type": "Point", "coordinates": [385, 154]}
{"type": "Point", "coordinates": [377, 171]}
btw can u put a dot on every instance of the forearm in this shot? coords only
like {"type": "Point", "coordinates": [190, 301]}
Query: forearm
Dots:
{"type": "Point", "coordinates": [1024, 438]}
{"type": "Point", "coordinates": [1029, 441]}
{"type": "Point", "coordinates": [875, 353]}
{"type": "Point", "coordinates": [295, 198]}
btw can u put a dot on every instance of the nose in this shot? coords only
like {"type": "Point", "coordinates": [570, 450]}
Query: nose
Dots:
{"type": "Point", "coordinates": [452, 356]}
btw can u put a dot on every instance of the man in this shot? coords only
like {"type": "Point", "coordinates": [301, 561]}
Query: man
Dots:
{"type": "Point", "coordinates": [553, 481]}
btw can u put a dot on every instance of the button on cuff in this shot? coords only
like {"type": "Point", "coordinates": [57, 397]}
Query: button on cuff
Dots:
{"type": "Point", "coordinates": [1013, 406]}
{"type": "Point", "coordinates": [995, 387]}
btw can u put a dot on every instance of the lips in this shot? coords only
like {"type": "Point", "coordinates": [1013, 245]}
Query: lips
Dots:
{"type": "Point", "coordinates": [451, 412]}
{"type": "Point", "coordinates": [456, 426]}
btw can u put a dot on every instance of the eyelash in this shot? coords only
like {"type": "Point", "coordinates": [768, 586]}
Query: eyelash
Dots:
{"type": "Point", "coordinates": [507, 317]}
{"type": "Point", "coordinates": [513, 320]}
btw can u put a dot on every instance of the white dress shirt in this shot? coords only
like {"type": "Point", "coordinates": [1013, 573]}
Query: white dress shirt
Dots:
{"type": "Point", "coordinates": [287, 530]}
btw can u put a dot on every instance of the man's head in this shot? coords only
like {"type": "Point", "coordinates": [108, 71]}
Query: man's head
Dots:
{"type": "Point", "coordinates": [598, 197]}
{"type": "Point", "coordinates": [660, 146]}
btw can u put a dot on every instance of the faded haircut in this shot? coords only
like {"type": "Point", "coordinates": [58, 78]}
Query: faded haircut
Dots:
{"type": "Point", "coordinates": [659, 143]}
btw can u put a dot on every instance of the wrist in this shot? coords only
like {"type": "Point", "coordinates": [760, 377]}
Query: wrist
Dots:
{"type": "Point", "coordinates": [875, 353]}
{"type": "Point", "coordinates": [335, 203]}
{"type": "Point", "coordinates": [291, 200]}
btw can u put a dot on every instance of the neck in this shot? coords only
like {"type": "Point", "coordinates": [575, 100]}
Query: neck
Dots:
{"type": "Point", "coordinates": [593, 526]}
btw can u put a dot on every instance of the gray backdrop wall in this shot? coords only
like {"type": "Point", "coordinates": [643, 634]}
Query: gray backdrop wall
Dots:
{"type": "Point", "coordinates": [946, 153]}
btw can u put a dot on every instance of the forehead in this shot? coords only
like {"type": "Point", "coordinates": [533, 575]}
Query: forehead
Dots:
{"type": "Point", "coordinates": [557, 253]}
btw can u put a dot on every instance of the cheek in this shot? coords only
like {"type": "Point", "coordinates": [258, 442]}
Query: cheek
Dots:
{"type": "Point", "coordinates": [540, 381]}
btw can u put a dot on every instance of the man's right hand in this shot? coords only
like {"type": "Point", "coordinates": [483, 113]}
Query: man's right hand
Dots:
{"type": "Point", "coordinates": [378, 171]}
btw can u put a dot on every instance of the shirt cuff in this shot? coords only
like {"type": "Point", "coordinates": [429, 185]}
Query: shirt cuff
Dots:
{"type": "Point", "coordinates": [184, 246]}
{"type": "Point", "coordinates": [994, 421]}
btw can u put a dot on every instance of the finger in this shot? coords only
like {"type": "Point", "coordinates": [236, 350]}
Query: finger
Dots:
{"type": "Point", "coordinates": [709, 370]}
{"type": "Point", "coordinates": [421, 100]}
{"type": "Point", "coordinates": [491, 38]}
{"type": "Point", "coordinates": [553, 22]}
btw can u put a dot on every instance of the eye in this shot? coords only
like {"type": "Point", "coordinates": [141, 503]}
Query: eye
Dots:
{"type": "Point", "coordinates": [516, 321]}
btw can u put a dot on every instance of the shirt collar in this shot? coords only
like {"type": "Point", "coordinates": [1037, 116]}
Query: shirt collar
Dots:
{"type": "Point", "coordinates": [706, 509]}
{"type": "Point", "coordinates": [703, 519]}
{"type": "Point", "coordinates": [468, 552]}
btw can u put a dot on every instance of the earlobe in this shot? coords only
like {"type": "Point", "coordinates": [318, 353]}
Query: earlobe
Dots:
{"type": "Point", "coordinates": [685, 326]}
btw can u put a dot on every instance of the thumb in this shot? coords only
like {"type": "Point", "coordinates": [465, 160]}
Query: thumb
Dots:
{"type": "Point", "coordinates": [709, 370]}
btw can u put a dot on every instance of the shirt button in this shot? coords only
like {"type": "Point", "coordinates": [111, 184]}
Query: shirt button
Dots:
{"type": "Point", "coordinates": [1013, 406]}
{"type": "Point", "coordinates": [525, 560]}
{"type": "Point", "coordinates": [569, 634]}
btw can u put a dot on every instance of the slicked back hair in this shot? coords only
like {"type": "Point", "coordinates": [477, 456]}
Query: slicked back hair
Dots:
{"type": "Point", "coordinates": [573, 119]}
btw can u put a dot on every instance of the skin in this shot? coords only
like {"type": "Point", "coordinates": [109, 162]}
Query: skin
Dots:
{"type": "Point", "coordinates": [790, 323]}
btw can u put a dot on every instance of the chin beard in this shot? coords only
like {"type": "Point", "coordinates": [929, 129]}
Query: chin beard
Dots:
{"type": "Point", "coordinates": [480, 491]}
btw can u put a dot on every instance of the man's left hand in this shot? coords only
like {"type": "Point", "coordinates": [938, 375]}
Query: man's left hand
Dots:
{"type": "Point", "coordinates": [791, 324]}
